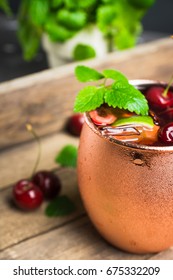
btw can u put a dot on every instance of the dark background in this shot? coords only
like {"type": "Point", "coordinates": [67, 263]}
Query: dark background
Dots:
{"type": "Point", "coordinates": [157, 23]}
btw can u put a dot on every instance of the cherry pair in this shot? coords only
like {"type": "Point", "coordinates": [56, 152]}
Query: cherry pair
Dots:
{"type": "Point", "coordinates": [29, 194]}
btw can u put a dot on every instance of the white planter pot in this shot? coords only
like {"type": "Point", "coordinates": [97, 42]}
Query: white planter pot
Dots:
{"type": "Point", "coordinates": [62, 53]}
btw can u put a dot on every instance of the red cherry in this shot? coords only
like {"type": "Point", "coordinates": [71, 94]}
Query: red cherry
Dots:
{"type": "Point", "coordinates": [75, 124]}
{"type": "Point", "coordinates": [48, 182]}
{"type": "Point", "coordinates": [27, 195]}
{"type": "Point", "coordinates": [156, 98]}
{"type": "Point", "coordinates": [102, 116]}
{"type": "Point", "coordinates": [166, 134]}
{"type": "Point", "coordinates": [166, 116]}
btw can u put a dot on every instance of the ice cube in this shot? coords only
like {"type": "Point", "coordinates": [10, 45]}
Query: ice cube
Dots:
{"type": "Point", "coordinates": [119, 130]}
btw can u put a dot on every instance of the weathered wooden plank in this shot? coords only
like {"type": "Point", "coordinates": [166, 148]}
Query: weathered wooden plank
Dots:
{"type": "Point", "coordinates": [46, 99]}
{"type": "Point", "coordinates": [76, 240]}
{"type": "Point", "coordinates": [16, 225]}
{"type": "Point", "coordinates": [17, 163]}
{"type": "Point", "coordinates": [165, 255]}
{"type": "Point", "coordinates": [45, 105]}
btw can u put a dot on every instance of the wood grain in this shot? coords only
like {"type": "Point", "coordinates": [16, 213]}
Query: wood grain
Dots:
{"type": "Point", "coordinates": [46, 99]}
{"type": "Point", "coordinates": [18, 162]}
{"type": "Point", "coordinates": [17, 226]}
{"type": "Point", "coordinates": [76, 240]}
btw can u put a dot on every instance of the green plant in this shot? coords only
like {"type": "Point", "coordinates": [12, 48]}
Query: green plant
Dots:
{"type": "Point", "coordinates": [118, 20]}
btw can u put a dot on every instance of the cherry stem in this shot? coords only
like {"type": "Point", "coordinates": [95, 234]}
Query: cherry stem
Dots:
{"type": "Point", "coordinates": [168, 87]}
{"type": "Point", "coordinates": [32, 131]}
{"type": "Point", "coordinates": [104, 83]}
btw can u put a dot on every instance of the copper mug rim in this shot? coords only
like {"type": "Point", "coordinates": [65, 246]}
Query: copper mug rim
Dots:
{"type": "Point", "coordinates": [139, 83]}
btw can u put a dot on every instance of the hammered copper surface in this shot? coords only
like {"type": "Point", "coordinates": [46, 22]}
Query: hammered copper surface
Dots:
{"type": "Point", "coordinates": [127, 191]}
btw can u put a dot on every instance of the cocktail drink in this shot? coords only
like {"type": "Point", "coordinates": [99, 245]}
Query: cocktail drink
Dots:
{"type": "Point", "coordinates": [125, 173]}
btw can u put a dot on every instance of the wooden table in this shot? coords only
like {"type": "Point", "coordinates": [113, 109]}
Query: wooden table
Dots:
{"type": "Point", "coordinates": [46, 100]}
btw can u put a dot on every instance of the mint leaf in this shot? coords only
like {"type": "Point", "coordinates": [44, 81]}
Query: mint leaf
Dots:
{"type": "Point", "coordinates": [67, 157]}
{"type": "Point", "coordinates": [57, 32]}
{"type": "Point", "coordinates": [126, 39]}
{"type": "Point", "coordinates": [125, 96]}
{"type": "Point", "coordinates": [87, 74]}
{"type": "Point", "coordinates": [60, 206]}
{"type": "Point", "coordinates": [79, 4]}
{"type": "Point", "coordinates": [73, 20]}
{"type": "Point", "coordinates": [89, 98]}
{"type": "Point", "coordinates": [56, 3]}
{"type": "Point", "coordinates": [115, 75]}
{"type": "Point", "coordinates": [106, 15]}
{"type": "Point", "coordinates": [82, 52]}
{"type": "Point", "coordinates": [138, 102]}
{"type": "Point", "coordinates": [86, 4]}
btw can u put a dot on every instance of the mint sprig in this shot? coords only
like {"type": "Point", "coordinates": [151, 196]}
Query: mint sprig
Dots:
{"type": "Point", "coordinates": [67, 157]}
{"type": "Point", "coordinates": [119, 94]}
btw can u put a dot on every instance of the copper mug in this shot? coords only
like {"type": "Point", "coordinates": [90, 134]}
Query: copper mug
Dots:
{"type": "Point", "coordinates": [127, 189]}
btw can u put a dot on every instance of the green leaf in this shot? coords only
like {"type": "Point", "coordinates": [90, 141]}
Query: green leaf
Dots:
{"type": "Point", "coordinates": [106, 15]}
{"type": "Point", "coordinates": [125, 96]}
{"type": "Point", "coordinates": [56, 3]}
{"type": "Point", "coordinates": [127, 38]}
{"type": "Point", "coordinates": [86, 4]}
{"type": "Point", "coordinates": [89, 98]}
{"type": "Point", "coordinates": [29, 39]}
{"type": "Point", "coordinates": [82, 52]}
{"type": "Point", "coordinates": [143, 4]}
{"type": "Point", "coordinates": [74, 20]}
{"type": "Point", "coordinates": [71, 4]}
{"type": "Point", "coordinates": [137, 102]}
{"type": "Point", "coordinates": [115, 75]}
{"type": "Point", "coordinates": [38, 11]}
{"type": "Point", "coordinates": [56, 32]}
{"type": "Point", "coordinates": [108, 1]}
{"type": "Point", "coordinates": [67, 157]}
{"type": "Point", "coordinates": [77, 4]}
{"type": "Point", "coordinates": [86, 74]}
{"type": "Point", "coordinates": [60, 206]}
